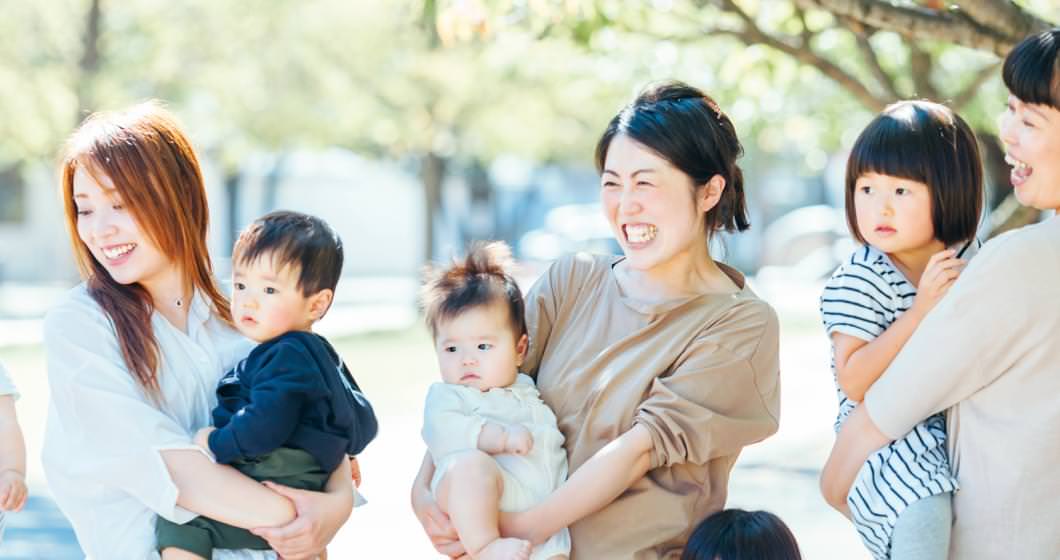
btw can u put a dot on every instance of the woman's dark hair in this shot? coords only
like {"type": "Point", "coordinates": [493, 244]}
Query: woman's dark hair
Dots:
{"type": "Point", "coordinates": [736, 534]}
{"type": "Point", "coordinates": [928, 143]}
{"type": "Point", "coordinates": [482, 278]}
{"type": "Point", "coordinates": [1032, 69]}
{"type": "Point", "coordinates": [686, 127]}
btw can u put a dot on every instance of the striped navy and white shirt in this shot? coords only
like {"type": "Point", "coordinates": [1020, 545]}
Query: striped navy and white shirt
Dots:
{"type": "Point", "coordinates": [864, 296]}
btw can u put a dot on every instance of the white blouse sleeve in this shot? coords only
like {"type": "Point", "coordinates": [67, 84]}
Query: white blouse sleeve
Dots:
{"type": "Point", "coordinates": [112, 430]}
{"type": "Point", "coordinates": [447, 426]}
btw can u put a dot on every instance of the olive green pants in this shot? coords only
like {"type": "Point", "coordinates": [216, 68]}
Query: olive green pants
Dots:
{"type": "Point", "coordinates": [287, 466]}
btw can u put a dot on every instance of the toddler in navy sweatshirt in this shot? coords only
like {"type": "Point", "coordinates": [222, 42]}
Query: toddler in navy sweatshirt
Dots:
{"type": "Point", "coordinates": [290, 412]}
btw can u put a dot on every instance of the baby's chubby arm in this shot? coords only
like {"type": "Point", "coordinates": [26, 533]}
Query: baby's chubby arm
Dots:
{"type": "Point", "coordinates": [497, 439]}
{"type": "Point", "coordinates": [450, 425]}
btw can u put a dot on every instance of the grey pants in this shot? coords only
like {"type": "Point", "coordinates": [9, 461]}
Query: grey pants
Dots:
{"type": "Point", "coordinates": [923, 530]}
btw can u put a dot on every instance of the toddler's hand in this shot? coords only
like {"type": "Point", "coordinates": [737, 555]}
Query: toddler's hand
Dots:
{"type": "Point", "coordinates": [202, 437]}
{"type": "Point", "coordinates": [942, 270]}
{"type": "Point", "coordinates": [12, 490]}
{"type": "Point", "coordinates": [520, 442]}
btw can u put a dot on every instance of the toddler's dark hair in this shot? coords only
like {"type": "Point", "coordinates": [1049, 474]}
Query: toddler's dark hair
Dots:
{"type": "Point", "coordinates": [294, 239]}
{"type": "Point", "coordinates": [928, 143]}
{"type": "Point", "coordinates": [483, 277]}
{"type": "Point", "coordinates": [736, 534]}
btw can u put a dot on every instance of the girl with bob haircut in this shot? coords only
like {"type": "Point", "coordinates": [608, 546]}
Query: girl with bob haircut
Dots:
{"type": "Point", "coordinates": [660, 365]}
{"type": "Point", "coordinates": [914, 190]}
{"type": "Point", "coordinates": [988, 351]}
{"type": "Point", "coordinates": [135, 351]}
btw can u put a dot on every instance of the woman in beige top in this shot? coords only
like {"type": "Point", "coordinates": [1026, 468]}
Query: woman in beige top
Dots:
{"type": "Point", "coordinates": [660, 365]}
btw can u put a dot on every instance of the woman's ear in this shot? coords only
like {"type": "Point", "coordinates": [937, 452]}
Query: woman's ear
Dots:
{"type": "Point", "coordinates": [319, 303]}
{"type": "Point", "coordinates": [710, 195]}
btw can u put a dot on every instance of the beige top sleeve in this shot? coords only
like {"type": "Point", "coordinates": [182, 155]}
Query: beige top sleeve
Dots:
{"type": "Point", "coordinates": [969, 339]}
{"type": "Point", "coordinates": [543, 308]}
{"type": "Point", "coordinates": [721, 398]}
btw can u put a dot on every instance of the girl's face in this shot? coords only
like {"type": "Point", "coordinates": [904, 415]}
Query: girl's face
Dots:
{"type": "Point", "coordinates": [1031, 133]}
{"type": "Point", "coordinates": [111, 234]}
{"type": "Point", "coordinates": [650, 206]}
{"type": "Point", "coordinates": [893, 214]}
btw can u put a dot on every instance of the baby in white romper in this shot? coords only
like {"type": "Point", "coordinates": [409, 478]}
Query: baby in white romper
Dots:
{"type": "Point", "coordinates": [494, 442]}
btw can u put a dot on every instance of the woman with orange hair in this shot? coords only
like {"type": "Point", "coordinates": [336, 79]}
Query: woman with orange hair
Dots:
{"type": "Point", "coordinates": [134, 354]}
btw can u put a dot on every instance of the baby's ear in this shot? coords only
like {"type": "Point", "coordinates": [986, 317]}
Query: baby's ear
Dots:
{"type": "Point", "coordinates": [521, 347]}
{"type": "Point", "coordinates": [319, 303]}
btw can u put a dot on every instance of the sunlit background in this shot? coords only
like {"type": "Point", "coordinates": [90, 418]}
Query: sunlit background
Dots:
{"type": "Point", "coordinates": [416, 126]}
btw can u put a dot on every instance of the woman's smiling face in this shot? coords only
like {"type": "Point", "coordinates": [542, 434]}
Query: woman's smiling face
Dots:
{"type": "Point", "coordinates": [1031, 134]}
{"type": "Point", "coordinates": [111, 233]}
{"type": "Point", "coordinates": [650, 204]}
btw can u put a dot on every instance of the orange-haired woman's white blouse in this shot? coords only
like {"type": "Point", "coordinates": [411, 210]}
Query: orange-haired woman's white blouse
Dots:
{"type": "Point", "coordinates": [103, 437]}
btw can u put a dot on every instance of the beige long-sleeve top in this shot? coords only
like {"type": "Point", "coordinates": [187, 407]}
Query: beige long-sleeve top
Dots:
{"type": "Point", "coordinates": [700, 373]}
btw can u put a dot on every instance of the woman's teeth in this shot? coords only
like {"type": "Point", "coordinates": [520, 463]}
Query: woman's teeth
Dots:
{"type": "Point", "coordinates": [118, 251]}
{"type": "Point", "coordinates": [640, 233]}
{"type": "Point", "coordinates": [1016, 163]}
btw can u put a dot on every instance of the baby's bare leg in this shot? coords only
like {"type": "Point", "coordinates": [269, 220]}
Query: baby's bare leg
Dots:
{"type": "Point", "coordinates": [470, 492]}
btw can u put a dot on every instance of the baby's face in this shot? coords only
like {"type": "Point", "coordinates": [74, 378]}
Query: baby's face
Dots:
{"type": "Point", "coordinates": [477, 348]}
{"type": "Point", "coordinates": [266, 300]}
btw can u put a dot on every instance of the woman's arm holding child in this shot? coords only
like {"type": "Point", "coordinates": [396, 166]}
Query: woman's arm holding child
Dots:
{"type": "Point", "coordinates": [12, 458]}
{"type": "Point", "coordinates": [859, 363]}
{"type": "Point", "coordinates": [602, 478]}
{"type": "Point", "coordinates": [434, 521]}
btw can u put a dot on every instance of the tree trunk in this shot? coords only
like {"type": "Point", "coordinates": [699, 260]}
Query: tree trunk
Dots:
{"type": "Point", "coordinates": [89, 65]}
{"type": "Point", "coordinates": [432, 173]}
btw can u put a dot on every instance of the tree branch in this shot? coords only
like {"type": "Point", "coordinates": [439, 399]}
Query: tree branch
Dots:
{"type": "Point", "coordinates": [862, 34]}
{"type": "Point", "coordinates": [1004, 16]}
{"type": "Point", "coordinates": [967, 94]}
{"type": "Point", "coordinates": [752, 34]}
{"type": "Point", "coordinates": [920, 69]}
{"type": "Point", "coordinates": [919, 23]}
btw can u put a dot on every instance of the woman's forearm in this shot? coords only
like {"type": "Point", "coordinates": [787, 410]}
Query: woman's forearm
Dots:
{"type": "Point", "coordinates": [604, 477]}
{"type": "Point", "coordinates": [856, 441]}
{"type": "Point", "coordinates": [222, 493]}
{"type": "Point", "coordinates": [423, 478]}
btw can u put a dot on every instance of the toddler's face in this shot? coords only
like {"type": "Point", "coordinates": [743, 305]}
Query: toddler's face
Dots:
{"type": "Point", "coordinates": [893, 214]}
{"type": "Point", "coordinates": [266, 300]}
{"type": "Point", "coordinates": [477, 348]}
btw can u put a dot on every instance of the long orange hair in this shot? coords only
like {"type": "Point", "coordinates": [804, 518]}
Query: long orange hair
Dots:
{"type": "Point", "coordinates": [154, 169]}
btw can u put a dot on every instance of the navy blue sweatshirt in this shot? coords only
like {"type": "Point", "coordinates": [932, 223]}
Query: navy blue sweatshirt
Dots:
{"type": "Point", "coordinates": [291, 391]}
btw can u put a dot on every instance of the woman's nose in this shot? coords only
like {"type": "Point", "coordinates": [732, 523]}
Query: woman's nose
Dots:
{"type": "Point", "coordinates": [102, 225]}
{"type": "Point", "coordinates": [628, 203]}
{"type": "Point", "coordinates": [1005, 129]}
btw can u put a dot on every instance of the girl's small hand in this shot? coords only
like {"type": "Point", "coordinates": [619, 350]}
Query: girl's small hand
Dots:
{"type": "Point", "coordinates": [436, 524]}
{"type": "Point", "coordinates": [941, 272]}
{"type": "Point", "coordinates": [12, 490]}
{"type": "Point", "coordinates": [306, 536]}
{"type": "Point", "coordinates": [520, 441]}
